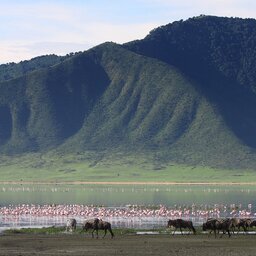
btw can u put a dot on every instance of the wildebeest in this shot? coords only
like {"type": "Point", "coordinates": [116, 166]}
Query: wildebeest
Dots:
{"type": "Point", "coordinates": [97, 224]}
{"type": "Point", "coordinates": [240, 223]}
{"type": "Point", "coordinates": [245, 224]}
{"type": "Point", "coordinates": [234, 223]}
{"type": "Point", "coordinates": [180, 223]}
{"type": "Point", "coordinates": [71, 225]}
{"type": "Point", "coordinates": [224, 226]}
{"type": "Point", "coordinates": [253, 223]}
{"type": "Point", "coordinates": [217, 225]}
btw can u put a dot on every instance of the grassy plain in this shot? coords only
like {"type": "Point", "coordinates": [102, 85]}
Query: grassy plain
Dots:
{"type": "Point", "coordinates": [53, 167]}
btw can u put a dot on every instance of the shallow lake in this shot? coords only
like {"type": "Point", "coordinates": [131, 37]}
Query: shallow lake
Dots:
{"type": "Point", "coordinates": [120, 195]}
{"type": "Point", "coordinates": [171, 196]}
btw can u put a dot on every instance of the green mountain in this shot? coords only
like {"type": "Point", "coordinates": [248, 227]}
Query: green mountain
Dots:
{"type": "Point", "coordinates": [185, 93]}
{"type": "Point", "coordinates": [13, 70]}
{"type": "Point", "coordinates": [220, 55]}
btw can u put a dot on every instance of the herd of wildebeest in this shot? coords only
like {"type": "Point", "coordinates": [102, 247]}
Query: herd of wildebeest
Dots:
{"type": "Point", "coordinates": [95, 224]}
{"type": "Point", "coordinates": [218, 226]}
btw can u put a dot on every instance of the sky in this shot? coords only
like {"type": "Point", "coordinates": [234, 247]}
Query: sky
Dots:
{"type": "Point", "coordinates": [30, 28]}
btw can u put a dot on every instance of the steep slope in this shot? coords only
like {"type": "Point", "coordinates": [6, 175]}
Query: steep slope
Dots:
{"type": "Point", "coordinates": [147, 103]}
{"type": "Point", "coordinates": [220, 55]}
{"type": "Point", "coordinates": [41, 109]}
{"type": "Point", "coordinates": [205, 43]}
{"type": "Point", "coordinates": [185, 93]}
{"type": "Point", "coordinates": [151, 106]}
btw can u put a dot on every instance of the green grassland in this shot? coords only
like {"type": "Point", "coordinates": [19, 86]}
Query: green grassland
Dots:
{"type": "Point", "coordinates": [54, 167]}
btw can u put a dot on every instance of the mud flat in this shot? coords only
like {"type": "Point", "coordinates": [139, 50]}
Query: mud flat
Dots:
{"type": "Point", "coordinates": [75, 244]}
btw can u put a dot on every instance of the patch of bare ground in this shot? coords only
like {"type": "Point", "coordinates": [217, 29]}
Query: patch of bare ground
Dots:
{"type": "Point", "coordinates": [68, 244]}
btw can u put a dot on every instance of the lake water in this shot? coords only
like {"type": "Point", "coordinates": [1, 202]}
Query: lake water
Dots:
{"type": "Point", "coordinates": [116, 195]}
{"type": "Point", "coordinates": [191, 197]}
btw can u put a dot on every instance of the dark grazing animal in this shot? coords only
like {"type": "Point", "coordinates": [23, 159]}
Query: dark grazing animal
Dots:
{"type": "Point", "coordinates": [71, 225]}
{"type": "Point", "coordinates": [217, 225]}
{"type": "Point", "coordinates": [180, 223]}
{"type": "Point", "coordinates": [240, 223]}
{"type": "Point", "coordinates": [234, 223]}
{"type": "Point", "coordinates": [224, 226]}
{"type": "Point", "coordinates": [253, 223]}
{"type": "Point", "coordinates": [97, 224]}
{"type": "Point", "coordinates": [210, 224]}
{"type": "Point", "coordinates": [245, 224]}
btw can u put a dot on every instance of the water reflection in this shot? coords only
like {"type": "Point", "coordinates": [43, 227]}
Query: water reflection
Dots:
{"type": "Point", "coordinates": [115, 195]}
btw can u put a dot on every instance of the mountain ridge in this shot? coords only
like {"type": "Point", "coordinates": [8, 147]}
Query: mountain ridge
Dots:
{"type": "Point", "coordinates": [162, 94]}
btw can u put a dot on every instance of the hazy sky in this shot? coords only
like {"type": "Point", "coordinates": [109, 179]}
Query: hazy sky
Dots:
{"type": "Point", "coordinates": [30, 28]}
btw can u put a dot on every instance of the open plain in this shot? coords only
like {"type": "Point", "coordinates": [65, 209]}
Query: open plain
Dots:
{"type": "Point", "coordinates": [127, 244]}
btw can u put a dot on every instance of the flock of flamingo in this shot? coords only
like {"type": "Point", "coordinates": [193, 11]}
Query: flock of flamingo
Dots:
{"type": "Point", "coordinates": [129, 211]}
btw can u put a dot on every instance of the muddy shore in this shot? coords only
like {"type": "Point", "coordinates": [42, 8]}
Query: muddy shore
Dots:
{"type": "Point", "coordinates": [75, 244]}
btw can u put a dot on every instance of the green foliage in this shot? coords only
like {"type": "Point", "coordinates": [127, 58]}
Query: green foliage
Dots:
{"type": "Point", "coordinates": [13, 70]}
{"type": "Point", "coordinates": [209, 43]}
{"type": "Point", "coordinates": [48, 105]}
{"type": "Point", "coordinates": [219, 54]}
{"type": "Point", "coordinates": [185, 94]}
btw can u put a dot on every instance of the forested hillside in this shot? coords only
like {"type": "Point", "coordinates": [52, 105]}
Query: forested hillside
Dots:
{"type": "Point", "coordinates": [186, 91]}
{"type": "Point", "coordinates": [12, 70]}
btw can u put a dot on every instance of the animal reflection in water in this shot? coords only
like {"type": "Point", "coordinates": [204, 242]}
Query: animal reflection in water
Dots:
{"type": "Point", "coordinates": [97, 224]}
{"type": "Point", "coordinates": [180, 224]}
{"type": "Point", "coordinates": [71, 225]}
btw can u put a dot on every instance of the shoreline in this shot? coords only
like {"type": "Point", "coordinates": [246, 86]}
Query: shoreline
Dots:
{"type": "Point", "coordinates": [123, 183]}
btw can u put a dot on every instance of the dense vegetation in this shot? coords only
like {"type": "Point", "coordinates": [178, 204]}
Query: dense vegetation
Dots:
{"type": "Point", "coordinates": [185, 94]}
{"type": "Point", "coordinates": [220, 55]}
{"type": "Point", "coordinates": [13, 70]}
